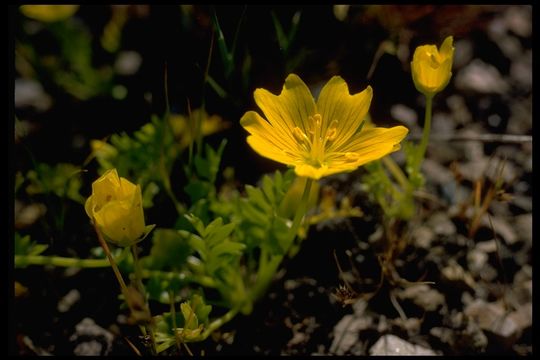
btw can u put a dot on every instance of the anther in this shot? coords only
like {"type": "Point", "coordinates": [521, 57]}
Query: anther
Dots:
{"type": "Point", "coordinates": [299, 135]}
{"type": "Point", "coordinates": [331, 133]}
{"type": "Point", "coordinates": [350, 156]}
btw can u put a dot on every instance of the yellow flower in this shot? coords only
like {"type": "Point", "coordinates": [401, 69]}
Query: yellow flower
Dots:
{"type": "Point", "coordinates": [322, 138]}
{"type": "Point", "coordinates": [49, 13]}
{"type": "Point", "coordinates": [432, 68]}
{"type": "Point", "coordinates": [115, 206]}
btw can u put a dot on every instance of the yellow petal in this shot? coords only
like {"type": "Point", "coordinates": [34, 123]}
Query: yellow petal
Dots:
{"type": "Point", "coordinates": [89, 206]}
{"type": "Point", "coordinates": [260, 128]}
{"type": "Point", "coordinates": [374, 143]}
{"type": "Point", "coordinates": [121, 223]}
{"type": "Point", "coordinates": [291, 108]}
{"type": "Point", "coordinates": [105, 188]}
{"type": "Point", "coordinates": [125, 189]}
{"type": "Point", "coordinates": [336, 103]}
{"type": "Point", "coordinates": [447, 49]}
{"type": "Point", "coordinates": [267, 149]}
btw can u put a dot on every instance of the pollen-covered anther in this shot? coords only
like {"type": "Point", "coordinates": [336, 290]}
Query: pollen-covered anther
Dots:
{"type": "Point", "coordinates": [314, 123]}
{"type": "Point", "coordinates": [351, 156]}
{"type": "Point", "coordinates": [299, 135]}
{"type": "Point", "coordinates": [331, 133]}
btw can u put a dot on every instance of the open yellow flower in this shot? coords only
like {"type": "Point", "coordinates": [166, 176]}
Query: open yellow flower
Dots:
{"type": "Point", "coordinates": [318, 138]}
{"type": "Point", "coordinates": [432, 68]}
{"type": "Point", "coordinates": [115, 206]}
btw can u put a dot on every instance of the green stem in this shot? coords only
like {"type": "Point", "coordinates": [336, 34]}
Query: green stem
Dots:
{"type": "Point", "coordinates": [425, 135]}
{"type": "Point", "coordinates": [396, 172]}
{"type": "Point", "coordinates": [117, 273]}
{"type": "Point", "coordinates": [25, 260]}
{"type": "Point", "coordinates": [214, 325]}
{"type": "Point", "coordinates": [141, 289]}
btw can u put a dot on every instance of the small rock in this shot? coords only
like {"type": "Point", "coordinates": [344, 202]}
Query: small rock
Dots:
{"type": "Point", "coordinates": [520, 121]}
{"type": "Point", "coordinates": [472, 337]}
{"type": "Point", "coordinates": [510, 46]}
{"type": "Point", "coordinates": [382, 325]}
{"type": "Point", "coordinates": [68, 300]}
{"type": "Point", "coordinates": [488, 246]}
{"type": "Point", "coordinates": [476, 260]}
{"type": "Point", "coordinates": [436, 172]}
{"type": "Point", "coordinates": [523, 316]}
{"type": "Point", "coordinates": [87, 332]}
{"type": "Point", "coordinates": [463, 53]}
{"type": "Point", "coordinates": [493, 318]}
{"type": "Point", "coordinates": [518, 19]}
{"type": "Point", "coordinates": [30, 93]}
{"type": "Point", "coordinates": [404, 114]}
{"type": "Point", "coordinates": [523, 226]}
{"type": "Point", "coordinates": [89, 348]}
{"type": "Point", "coordinates": [422, 237]}
{"type": "Point", "coordinates": [411, 325]}
{"type": "Point", "coordinates": [423, 296]}
{"type": "Point", "coordinates": [127, 62]}
{"type": "Point", "coordinates": [502, 229]}
{"type": "Point", "coordinates": [454, 273]}
{"type": "Point", "coordinates": [488, 273]}
{"type": "Point", "coordinates": [521, 71]}
{"type": "Point", "coordinates": [346, 332]}
{"type": "Point", "coordinates": [460, 111]}
{"type": "Point", "coordinates": [481, 78]}
{"type": "Point", "coordinates": [441, 224]}
{"type": "Point", "coordinates": [359, 307]}
{"type": "Point", "coordinates": [26, 215]}
{"type": "Point", "coordinates": [393, 345]}
{"type": "Point", "coordinates": [522, 202]}
{"type": "Point", "coordinates": [442, 124]}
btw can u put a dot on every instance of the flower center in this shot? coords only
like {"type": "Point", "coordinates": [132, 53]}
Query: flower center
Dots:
{"type": "Point", "coordinates": [314, 144]}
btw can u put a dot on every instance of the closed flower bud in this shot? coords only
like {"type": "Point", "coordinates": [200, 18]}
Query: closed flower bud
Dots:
{"type": "Point", "coordinates": [115, 207]}
{"type": "Point", "coordinates": [432, 68]}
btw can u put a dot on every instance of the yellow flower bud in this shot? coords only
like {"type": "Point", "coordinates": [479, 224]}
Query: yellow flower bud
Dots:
{"type": "Point", "coordinates": [49, 13]}
{"type": "Point", "coordinates": [115, 207]}
{"type": "Point", "coordinates": [432, 68]}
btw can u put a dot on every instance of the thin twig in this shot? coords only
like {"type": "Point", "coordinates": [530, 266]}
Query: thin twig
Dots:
{"type": "Point", "coordinates": [501, 138]}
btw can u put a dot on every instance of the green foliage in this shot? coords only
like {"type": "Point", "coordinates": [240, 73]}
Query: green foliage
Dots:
{"type": "Point", "coordinates": [169, 251]}
{"type": "Point", "coordinates": [261, 223]}
{"type": "Point", "coordinates": [214, 245]}
{"type": "Point", "coordinates": [146, 156]}
{"type": "Point", "coordinates": [60, 179]}
{"type": "Point", "coordinates": [394, 201]}
{"type": "Point", "coordinates": [201, 180]}
{"type": "Point", "coordinates": [412, 166]}
{"type": "Point", "coordinates": [185, 326]}
{"type": "Point", "coordinates": [25, 246]}
{"type": "Point", "coordinates": [285, 40]}
{"type": "Point", "coordinates": [71, 66]}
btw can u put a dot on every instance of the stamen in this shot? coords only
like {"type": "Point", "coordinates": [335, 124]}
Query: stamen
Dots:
{"type": "Point", "coordinates": [299, 135]}
{"type": "Point", "coordinates": [318, 120]}
{"type": "Point", "coordinates": [331, 133]}
{"type": "Point", "coordinates": [350, 156]}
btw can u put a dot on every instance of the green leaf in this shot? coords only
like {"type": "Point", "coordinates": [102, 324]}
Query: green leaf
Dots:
{"type": "Point", "coordinates": [169, 250]}
{"type": "Point", "coordinates": [227, 58]}
{"type": "Point", "coordinates": [62, 180]}
{"type": "Point", "coordinates": [25, 246]}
